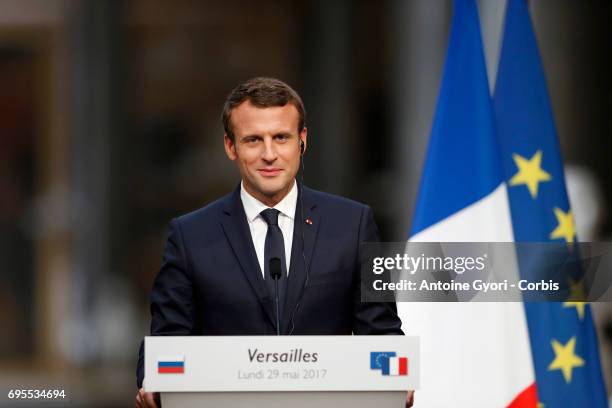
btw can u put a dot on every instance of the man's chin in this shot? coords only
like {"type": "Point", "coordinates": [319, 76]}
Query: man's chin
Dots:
{"type": "Point", "coordinates": [270, 194]}
{"type": "Point", "coordinates": [276, 193]}
{"type": "Point", "coordinates": [272, 189]}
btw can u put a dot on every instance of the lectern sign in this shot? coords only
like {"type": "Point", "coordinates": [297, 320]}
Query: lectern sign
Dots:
{"type": "Point", "coordinates": [171, 365]}
{"type": "Point", "coordinates": [284, 363]}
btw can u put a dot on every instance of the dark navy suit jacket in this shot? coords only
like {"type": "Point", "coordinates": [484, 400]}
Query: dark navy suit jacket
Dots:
{"type": "Point", "coordinates": [210, 282]}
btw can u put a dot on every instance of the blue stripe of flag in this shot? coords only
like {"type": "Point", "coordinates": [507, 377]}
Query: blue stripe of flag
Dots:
{"type": "Point", "coordinates": [385, 366]}
{"type": "Point", "coordinates": [170, 364]}
{"type": "Point", "coordinates": [462, 164]}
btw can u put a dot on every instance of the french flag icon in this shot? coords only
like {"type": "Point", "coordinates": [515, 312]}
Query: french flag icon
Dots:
{"type": "Point", "coordinates": [395, 366]}
{"type": "Point", "coordinates": [171, 365]}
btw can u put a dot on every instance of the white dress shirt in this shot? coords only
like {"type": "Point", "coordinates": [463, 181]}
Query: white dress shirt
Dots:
{"type": "Point", "coordinates": [259, 228]}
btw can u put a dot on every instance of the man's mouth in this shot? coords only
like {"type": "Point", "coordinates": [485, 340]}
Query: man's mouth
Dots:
{"type": "Point", "coordinates": [270, 172]}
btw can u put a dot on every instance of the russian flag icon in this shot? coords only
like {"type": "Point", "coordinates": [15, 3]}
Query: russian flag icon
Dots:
{"type": "Point", "coordinates": [395, 366]}
{"type": "Point", "coordinates": [171, 365]}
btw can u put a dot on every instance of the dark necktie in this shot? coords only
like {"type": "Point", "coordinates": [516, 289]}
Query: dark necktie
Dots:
{"type": "Point", "coordinates": [274, 248]}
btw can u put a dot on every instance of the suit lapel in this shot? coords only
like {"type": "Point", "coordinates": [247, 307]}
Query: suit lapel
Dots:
{"type": "Point", "coordinates": [239, 237]}
{"type": "Point", "coordinates": [306, 226]}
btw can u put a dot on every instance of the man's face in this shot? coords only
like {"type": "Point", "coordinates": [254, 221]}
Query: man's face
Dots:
{"type": "Point", "coordinates": [266, 149]}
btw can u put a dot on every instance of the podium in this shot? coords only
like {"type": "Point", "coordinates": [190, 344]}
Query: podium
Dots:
{"type": "Point", "coordinates": [281, 371]}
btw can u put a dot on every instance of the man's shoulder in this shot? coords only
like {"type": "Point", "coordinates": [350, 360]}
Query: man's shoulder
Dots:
{"type": "Point", "coordinates": [211, 212]}
{"type": "Point", "coordinates": [333, 201]}
{"type": "Point", "coordinates": [339, 215]}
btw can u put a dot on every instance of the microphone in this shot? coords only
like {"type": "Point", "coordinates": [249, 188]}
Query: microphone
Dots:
{"type": "Point", "coordinates": [275, 273]}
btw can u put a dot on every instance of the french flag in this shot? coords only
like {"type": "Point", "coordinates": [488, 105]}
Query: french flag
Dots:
{"type": "Point", "coordinates": [171, 365]}
{"type": "Point", "coordinates": [395, 366]}
{"type": "Point", "coordinates": [477, 353]}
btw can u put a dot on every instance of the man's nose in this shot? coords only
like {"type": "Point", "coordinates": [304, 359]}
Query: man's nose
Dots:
{"type": "Point", "coordinates": [269, 152]}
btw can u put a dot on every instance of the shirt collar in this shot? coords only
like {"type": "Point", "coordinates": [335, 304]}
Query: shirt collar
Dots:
{"type": "Point", "coordinates": [252, 206]}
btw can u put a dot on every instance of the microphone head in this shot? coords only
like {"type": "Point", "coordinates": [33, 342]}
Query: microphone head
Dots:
{"type": "Point", "coordinates": [275, 268]}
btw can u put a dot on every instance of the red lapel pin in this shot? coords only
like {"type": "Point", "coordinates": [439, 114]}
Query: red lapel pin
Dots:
{"type": "Point", "coordinates": [308, 221]}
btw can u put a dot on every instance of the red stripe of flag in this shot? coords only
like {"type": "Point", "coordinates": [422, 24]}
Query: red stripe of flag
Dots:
{"type": "Point", "coordinates": [528, 398]}
{"type": "Point", "coordinates": [403, 366]}
{"type": "Point", "coordinates": [170, 370]}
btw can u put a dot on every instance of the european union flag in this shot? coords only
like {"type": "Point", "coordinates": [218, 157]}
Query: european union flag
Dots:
{"type": "Point", "coordinates": [562, 335]}
{"type": "Point", "coordinates": [377, 359]}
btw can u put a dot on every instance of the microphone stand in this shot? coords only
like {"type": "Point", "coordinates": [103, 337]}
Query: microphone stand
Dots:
{"type": "Point", "coordinates": [275, 273]}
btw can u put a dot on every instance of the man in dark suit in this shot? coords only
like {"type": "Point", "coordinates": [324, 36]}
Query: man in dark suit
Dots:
{"type": "Point", "coordinates": [216, 273]}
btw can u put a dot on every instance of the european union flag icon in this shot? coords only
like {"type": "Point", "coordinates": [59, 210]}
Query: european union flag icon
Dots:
{"type": "Point", "coordinates": [377, 358]}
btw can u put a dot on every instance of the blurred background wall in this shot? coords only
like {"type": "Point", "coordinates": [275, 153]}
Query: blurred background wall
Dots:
{"type": "Point", "coordinates": [110, 126]}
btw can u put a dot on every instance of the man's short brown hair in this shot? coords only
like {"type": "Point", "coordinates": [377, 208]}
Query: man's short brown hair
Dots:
{"type": "Point", "coordinates": [263, 93]}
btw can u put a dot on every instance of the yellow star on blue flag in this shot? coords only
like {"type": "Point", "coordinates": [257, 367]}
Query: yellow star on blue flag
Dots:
{"type": "Point", "coordinates": [530, 172]}
{"type": "Point", "coordinates": [565, 226]}
{"type": "Point", "coordinates": [576, 298]}
{"type": "Point", "coordinates": [565, 358]}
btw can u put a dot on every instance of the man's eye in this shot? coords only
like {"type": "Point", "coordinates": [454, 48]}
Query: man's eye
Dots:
{"type": "Point", "coordinates": [251, 140]}
{"type": "Point", "coordinates": [281, 138]}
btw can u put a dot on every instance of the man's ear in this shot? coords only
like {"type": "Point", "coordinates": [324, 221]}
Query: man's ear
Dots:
{"type": "Point", "coordinates": [230, 147]}
{"type": "Point", "coordinates": [303, 138]}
